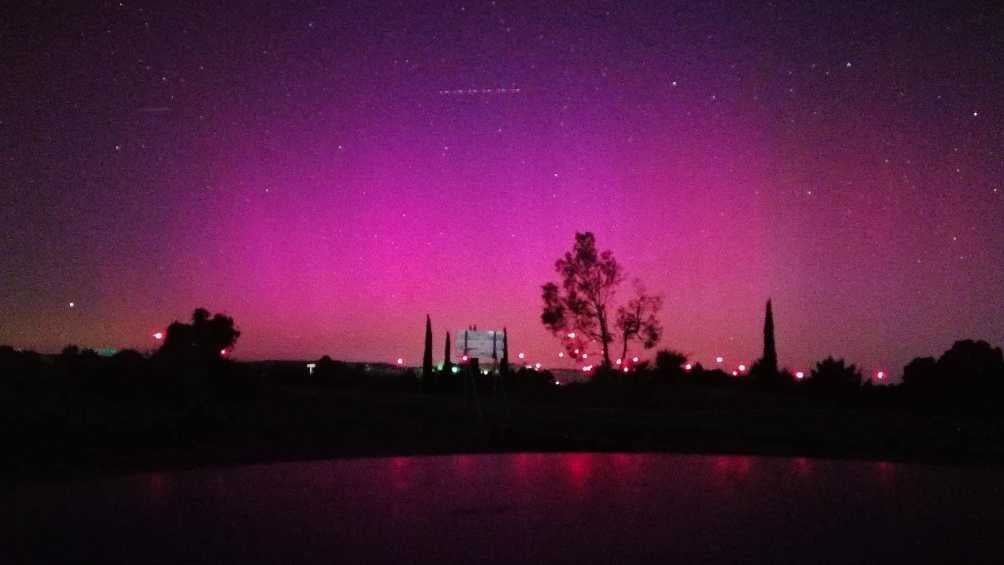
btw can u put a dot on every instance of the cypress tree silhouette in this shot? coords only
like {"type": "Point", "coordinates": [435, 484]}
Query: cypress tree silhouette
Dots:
{"type": "Point", "coordinates": [447, 363]}
{"type": "Point", "coordinates": [764, 371]}
{"type": "Point", "coordinates": [504, 365]}
{"type": "Point", "coordinates": [769, 351]}
{"type": "Point", "coordinates": [427, 355]}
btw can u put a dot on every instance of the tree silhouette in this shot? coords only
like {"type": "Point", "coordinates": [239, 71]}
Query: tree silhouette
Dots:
{"type": "Point", "coordinates": [971, 371]}
{"type": "Point", "coordinates": [669, 364]}
{"type": "Point", "coordinates": [504, 364]}
{"type": "Point", "coordinates": [447, 361]}
{"type": "Point", "coordinates": [637, 320]}
{"type": "Point", "coordinates": [921, 375]}
{"type": "Point", "coordinates": [206, 339]}
{"type": "Point", "coordinates": [764, 370]}
{"type": "Point", "coordinates": [834, 376]}
{"type": "Point", "coordinates": [973, 365]}
{"type": "Point", "coordinates": [578, 309]}
{"type": "Point", "coordinates": [427, 353]}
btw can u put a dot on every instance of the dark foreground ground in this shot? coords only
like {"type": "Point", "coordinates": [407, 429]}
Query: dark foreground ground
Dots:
{"type": "Point", "coordinates": [58, 431]}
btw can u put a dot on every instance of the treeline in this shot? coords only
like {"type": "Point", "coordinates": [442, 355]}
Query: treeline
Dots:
{"type": "Point", "coordinates": [969, 375]}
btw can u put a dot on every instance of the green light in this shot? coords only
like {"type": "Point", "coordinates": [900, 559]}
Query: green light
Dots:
{"type": "Point", "coordinates": [455, 369]}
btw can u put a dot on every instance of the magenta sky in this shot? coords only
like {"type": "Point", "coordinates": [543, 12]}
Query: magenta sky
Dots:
{"type": "Point", "coordinates": [302, 169]}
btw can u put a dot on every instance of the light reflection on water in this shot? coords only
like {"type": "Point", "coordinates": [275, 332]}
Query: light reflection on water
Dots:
{"type": "Point", "coordinates": [518, 507]}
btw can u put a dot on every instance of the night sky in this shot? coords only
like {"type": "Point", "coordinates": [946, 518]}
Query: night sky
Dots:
{"type": "Point", "coordinates": [328, 175]}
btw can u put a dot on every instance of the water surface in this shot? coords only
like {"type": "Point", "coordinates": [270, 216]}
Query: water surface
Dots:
{"type": "Point", "coordinates": [569, 508]}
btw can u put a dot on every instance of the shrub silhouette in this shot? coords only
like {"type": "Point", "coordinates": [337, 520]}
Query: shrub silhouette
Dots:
{"type": "Point", "coordinates": [834, 377]}
{"type": "Point", "coordinates": [669, 365]}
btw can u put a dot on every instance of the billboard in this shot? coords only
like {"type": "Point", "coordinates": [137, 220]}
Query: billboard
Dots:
{"type": "Point", "coordinates": [482, 343]}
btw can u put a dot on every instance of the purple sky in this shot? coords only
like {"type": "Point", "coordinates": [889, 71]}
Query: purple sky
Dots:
{"type": "Point", "coordinates": [314, 172]}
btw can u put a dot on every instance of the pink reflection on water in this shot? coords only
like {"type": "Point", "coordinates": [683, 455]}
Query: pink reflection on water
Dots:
{"type": "Point", "coordinates": [626, 463]}
{"type": "Point", "coordinates": [732, 465]}
{"type": "Point", "coordinates": [158, 486]}
{"type": "Point", "coordinates": [802, 466]}
{"type": "Point", "coordinates": [399, 476]}
{"type": "Point", "coordinates": [886, 471]}
{"type": "Point", "coordinates": [579, 467]}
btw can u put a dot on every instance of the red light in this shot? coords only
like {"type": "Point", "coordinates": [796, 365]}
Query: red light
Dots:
{"type": "Point", "coordinates": [880, 375]}
{"type": "Point", "coordinates": [742, 368]}
{"type": "Point", "coordinates": [522, 355]}
{"type": "Point", "coordinates": [800, 375]}
{"type": "Point", "coordinates": [735, 373]}
{"type": "Point", "coordinates": [223, 352]}
{"type": "Point", "coordinates": [688, 367]}
{"type": "Point", "coordinates": [625, 369]}
{"type": "Point", "coordinates": [464, 358]}
{"type": "Point", "coordinates": [561, 354]}
{"type": "Point", "coordinates": [400, 361]}
{"type": "Point", "coordinates": [634, 359]}
{"type": "Point", "coordinates": [158, 336]}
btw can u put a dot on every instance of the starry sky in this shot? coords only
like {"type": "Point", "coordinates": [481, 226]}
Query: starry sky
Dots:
{"type": "Point", "coordinates": [329, 173]}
